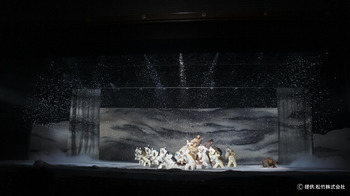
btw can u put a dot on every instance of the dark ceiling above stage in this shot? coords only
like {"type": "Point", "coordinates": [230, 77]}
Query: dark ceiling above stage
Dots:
{"type": "Point", "coordinates": [95, 27]}
{"type": "Point", "coordinates": [133, 10]}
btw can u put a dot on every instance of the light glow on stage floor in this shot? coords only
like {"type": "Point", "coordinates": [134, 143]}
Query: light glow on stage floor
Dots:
{"type": "Point", "coordinates": [135, 166]}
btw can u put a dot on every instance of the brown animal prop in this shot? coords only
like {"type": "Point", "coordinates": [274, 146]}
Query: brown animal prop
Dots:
{"type": "Point", "coordinates": [269, 162]}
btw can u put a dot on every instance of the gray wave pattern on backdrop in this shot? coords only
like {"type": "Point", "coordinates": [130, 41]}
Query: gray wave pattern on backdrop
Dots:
{"type": "Point", "coordinates": [251, 132]}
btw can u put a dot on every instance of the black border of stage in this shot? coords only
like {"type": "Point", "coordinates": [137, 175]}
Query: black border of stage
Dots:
{"type": "Point", "coordinates": [43, 178]}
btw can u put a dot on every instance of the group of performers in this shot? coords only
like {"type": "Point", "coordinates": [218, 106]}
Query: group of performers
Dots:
{"type": "Point", "coordinates": [193, 155]}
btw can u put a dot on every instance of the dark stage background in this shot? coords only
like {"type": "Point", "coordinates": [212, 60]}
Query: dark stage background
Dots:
{"type": "Point", "coordinates": [49, 48]}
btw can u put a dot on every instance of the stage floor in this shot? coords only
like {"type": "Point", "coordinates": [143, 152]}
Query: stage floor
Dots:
{"type": "Point", "coordinates": [135, 166]}
{"type": "Point", "coordinates": [94, 178]}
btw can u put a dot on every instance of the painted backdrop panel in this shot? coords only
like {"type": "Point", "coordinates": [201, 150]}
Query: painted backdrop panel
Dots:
{"type": "Point", "coordinates": [251, 132]}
